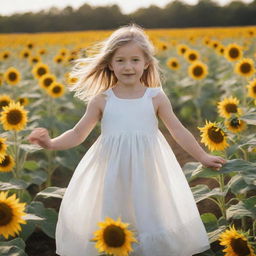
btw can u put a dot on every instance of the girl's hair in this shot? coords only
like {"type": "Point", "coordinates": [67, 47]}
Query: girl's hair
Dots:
{"type": "Point", "coordinates": [93, 73]}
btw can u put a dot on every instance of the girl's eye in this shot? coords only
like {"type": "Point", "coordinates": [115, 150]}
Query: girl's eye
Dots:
{"type": "Point", "coordinates": [136, 59]}
{"type": "Point", "coordinates": [119, 60]}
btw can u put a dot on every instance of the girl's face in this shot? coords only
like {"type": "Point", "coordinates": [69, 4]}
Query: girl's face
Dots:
{"type": "Point", "coordinates": [128, 64]}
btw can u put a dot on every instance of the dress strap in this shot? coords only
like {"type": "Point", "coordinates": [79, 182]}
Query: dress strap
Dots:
{"type": "Point", "coordinates": [107, 92]}
{"type": "Point", "coordinates": [153, 91]}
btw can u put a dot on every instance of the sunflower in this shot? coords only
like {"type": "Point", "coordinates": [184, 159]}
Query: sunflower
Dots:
{"type": "Point", "coordinates": [14, 117]}
{"type": "Point", "coordinates": [5, 100]}
{"type": "Point", "coordinates": [234, 124]}
{"type": "Point", "coordinates": [181, 49]}
{"type": "Point", "coordinates": [207, 41]}
{"type": "Point", "coordinates": [12, 76]}
{"type": "Point", "coordinates": [214, 44]}
{"type": "Point", "coordinates": [173, 63]}
{"type": "Point", "coordinates": [3, 148]}
{"type": "Point", "coordinates": [191, 55]}
{"type": "Point", "coordinates": [30, 45]}
{"type": "Point", "coordinates": [5, 55]}
{"type": "Point", "coordinates": [24, 54]}
{"type": "Point", "coordinates": [63, 52]}
{"type": "Point", "coordinates": [34, 59]}
{"type": "Point", "coordinates": [40, 69]}
{"type": "Point", "coordinates": [11, 212]}
{"type": "Point", "coordinates": [23, 101]}
{"type": "Point", "coordinates": [7, 164]}
{"type": "Point", "coordinates": [46, 80]}
{"type": "Point", "coordinates": [70, 58]}
{"type": "Point", "coordinates": [213, 136]}
{"type": "Point", "coordinates": [245, 67]}
{"type": "Point", "coordinates": [221, 50]}
{"type": "Point", "coordinates": [56, 90]}
{"type": "Point", "coordinates": [114, 237]}
{"type": "Point", "coordinates": [58, 59]}
{"type": "Point", "coordinates": [198, 70]}
{"type": "Point", "coordinates": [233, 52]}
{"type": "Point", "coordinates": [41, 51]}
{"type": "Point", "coordinates": [252, 88]}
{"type": "Point", "coordinates": [71, 80]}
{"type": "Point", "coordinates": [236, 243]}
{"type": "Point", "coordinates": [229, 106]}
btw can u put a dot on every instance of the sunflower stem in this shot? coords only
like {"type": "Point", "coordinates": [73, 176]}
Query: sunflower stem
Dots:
{"type": "Point", "coordinates": [222, 198]}
{"type": "Point", "coordinates": [50, 153]}
{"type": "Point", "coordinates": [254, 229]}
{"type": "Point", "coordinates": [196, 99]}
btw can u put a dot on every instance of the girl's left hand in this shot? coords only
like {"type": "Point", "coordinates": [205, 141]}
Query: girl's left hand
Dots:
{"type": "Point", "coordinates": [211, 161]}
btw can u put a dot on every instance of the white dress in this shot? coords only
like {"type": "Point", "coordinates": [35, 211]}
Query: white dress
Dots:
{"type": "Point", "coordinates": [131, 171]}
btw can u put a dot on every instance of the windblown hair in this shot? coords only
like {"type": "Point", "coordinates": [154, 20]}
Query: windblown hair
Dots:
{"type": "Point", "coordinates": [93, 73]}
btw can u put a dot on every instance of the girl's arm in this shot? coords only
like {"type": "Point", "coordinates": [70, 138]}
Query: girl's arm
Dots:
{"type": "Point", "coordinates": [74, 136]}
{"type": "Point", "coordinates": [182, 136]}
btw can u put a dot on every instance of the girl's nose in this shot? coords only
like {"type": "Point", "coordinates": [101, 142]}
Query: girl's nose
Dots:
{"type": "Point", "coordinates": [127, 65]}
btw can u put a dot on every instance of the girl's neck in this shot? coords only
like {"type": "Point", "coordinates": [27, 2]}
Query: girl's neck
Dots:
{"type": "Point", "coordinates": [136, 87]}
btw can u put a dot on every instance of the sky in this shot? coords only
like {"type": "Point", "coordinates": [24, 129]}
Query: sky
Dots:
{"type": "Point", "coordinates": [8, 7]}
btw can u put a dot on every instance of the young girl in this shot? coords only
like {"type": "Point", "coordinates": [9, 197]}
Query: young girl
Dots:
{"type": "Point", "coordinates": [130, 171]}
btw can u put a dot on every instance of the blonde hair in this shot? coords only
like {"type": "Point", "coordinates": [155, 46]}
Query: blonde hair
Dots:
{"type": "Point", "coordinates": [93, 73]}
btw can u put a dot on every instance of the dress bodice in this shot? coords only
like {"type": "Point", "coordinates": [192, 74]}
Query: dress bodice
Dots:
{"type": "Point", "coordinates": [129, 115]}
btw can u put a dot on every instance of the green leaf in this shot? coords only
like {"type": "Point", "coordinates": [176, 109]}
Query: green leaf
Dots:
{"type": "Point", "coordinates": [237, 165]}
{"type": "Point", "coordinates": [48, 225]}
{"type": "Point", "coordinates": [238, 185]}
{"type": "Point", "coordinates": [36, 177]}
{"type": "Point", "coordinates": [13, 247]}
{"type": "Point", "coordinates": [249, 118]}
{"type": "Point", "coordinates": [31, 165]}
{"type": "Point", "coordinates": [30, 148]}
{"type": "Point", "coordinates": [188, 169]}
{"type": "Point", "coordinates": [210, 221]}
{"type": "Point", "coordinates": [13, 184]}
{"type": "Point", "coordinates": [214, 235]}
{"type": "Point", "coordinates": [250, 177]}
{"type": "Point", "coordinates": [55, 192]}
{"type": "Point", "coordinates": [202, 192]}
{"type": "Point", "coordinates": [243, 208]}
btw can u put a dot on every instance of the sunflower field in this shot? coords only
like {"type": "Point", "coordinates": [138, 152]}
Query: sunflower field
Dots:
{"type": "Point", "coordinates": [210, 78]}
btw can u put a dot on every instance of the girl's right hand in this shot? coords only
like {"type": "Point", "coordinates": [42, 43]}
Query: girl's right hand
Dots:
{"type": "Point", "coordinates": [41, 137]}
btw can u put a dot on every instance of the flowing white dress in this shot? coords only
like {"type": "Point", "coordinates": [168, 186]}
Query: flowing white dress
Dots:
{"type": "Point", "coordinates": [131, 171]}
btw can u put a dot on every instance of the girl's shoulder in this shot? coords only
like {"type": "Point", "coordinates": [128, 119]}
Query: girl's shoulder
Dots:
{"type": "Point", "coordinates": [155, 91]}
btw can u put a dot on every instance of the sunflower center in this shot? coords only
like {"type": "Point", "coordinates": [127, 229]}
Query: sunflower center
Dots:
{"type": "Point", "coordinates": [48, 82]}
{"type": "Point", "coordinates": [198, 71]}
{"type": "Point", "coordinates": [254, 88]}
{"type": "Point", "coordinates": [240, 247]}
{"type": "Point", "coordinates": [245, 68]}
{"type": "Point", "coordinates": [174, 64]}
{"type": "Point", "coordinates": [56, 89]}
{"type": "Point", "coordinates": [41, 71]}
{"type": "Point", "coordinates": [3, 103]}
{"type": "Point", "coordinates": [233, 53]}
{"type": "Point", "coordinates": [14, 117]}
{"type": "Point", "coordinates": [192, 56]}
{"type": "Point", "coordinates": [12, 76]}
{"type": "Point", "coordinates": [6, 161]}
{"type": "Point", "coordinates": [114, 236]}
{"type": "Point", "coordinates": [235, 123]}
{"type": "Point", "coordinates": [5, 214]}
{"type": "Point", "coordinates": [21, 100]}
{"type": "Point", "coordinates": [183, 50]}
{"type": "Point", "coordinates": [231, 108]}
{"type": "Point", "coordinates": [215, 135]}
